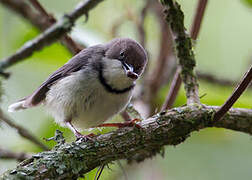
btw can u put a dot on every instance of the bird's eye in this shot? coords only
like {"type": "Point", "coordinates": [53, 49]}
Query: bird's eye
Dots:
{"type": "Point", "coordinates": [122, 54]}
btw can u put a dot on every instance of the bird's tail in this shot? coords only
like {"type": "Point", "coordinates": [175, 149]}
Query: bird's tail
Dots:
{"type": "Point", "coordinates": [17, 106]}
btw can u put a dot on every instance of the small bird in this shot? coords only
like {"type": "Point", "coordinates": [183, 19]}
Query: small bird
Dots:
{"type": "Point", "coordinates": [92, 87]}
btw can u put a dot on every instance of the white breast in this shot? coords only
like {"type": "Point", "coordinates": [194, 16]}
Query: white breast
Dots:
{"type": "Point", "coordinates": [82, 98]}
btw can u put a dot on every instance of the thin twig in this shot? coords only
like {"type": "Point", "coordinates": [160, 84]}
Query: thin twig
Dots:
{"type": "Point", "coordinates": [200, 11]}
{"type": "Point", "coordinates": [40, 19]}
{"type": "Point", "coordinates": [67, 40]}
{"type": "Point", "coordinates": [40, 8]}
{"type": "Point", "coordinates": [19, 156]}
{"type": "Point", "coordinates": [201, 7]}
{"type": "Point", "coordinates": [211, 78]}
{"type": "Point", "coordinates": [236, 94]}
{"type": "Point", "coordinates": [165, 51]}
{"type": "Point", "coordinates": [140, 24]}
{"type": "Point", "coordinates": [153, 80]}
{"type": "Point", "coordinates": [142, 39]}
{"type": "Point", "coordinates": [99, 172]}
{"type": "Point", "coordinates": [22, 131]}
{"type": "Point", "coordinates": [175, 85]}
{"type": "Point", "coordinates": [24, 10]}
{"type": "Point", "coordinates": [51, 35]}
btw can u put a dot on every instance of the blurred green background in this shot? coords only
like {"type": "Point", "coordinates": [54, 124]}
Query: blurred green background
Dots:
{"type": "Point", "coordinates": [223, 49]}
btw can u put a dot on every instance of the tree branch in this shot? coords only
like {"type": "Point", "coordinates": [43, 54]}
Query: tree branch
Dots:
{"type": "Point", "coordinates": [200, 11]}
{"type": "Point", "coordinates": [22, 131]}
{"type": "Point", "coordinates": [50, 35]}
{"type": "Point", "coordinates": [201, 7]}
{"type": "Point", "coordinates": [19, 156]}
{"type": "Point", "coordinates": [140, 23]}
{"type": "Point", "coordinates": [174, 89]}
{"type": "Point", "coordinates": [40, 9]}
{"type": "Point", "coordinates": [66, 40]}
{"type": "Point", "coordinates": [211, 78]}
{"type": "Point", "coordinates": [156, 78]}
{"type": "Point", "coordinates": [72, 160]}
{"type": "Point", "coordinates": [236, 94]}
{"type": "Point", "coordinates": [184, 51]}
{"type": "Point", "coordinates": [42, 20]}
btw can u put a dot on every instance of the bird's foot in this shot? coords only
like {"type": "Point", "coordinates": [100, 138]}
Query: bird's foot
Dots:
{"type": "Point", "coordinates": [77, 134]}
{"type": "Point", "coordinates": [88, 137]}
{"type": "Point", "coordinates": [131, 123]}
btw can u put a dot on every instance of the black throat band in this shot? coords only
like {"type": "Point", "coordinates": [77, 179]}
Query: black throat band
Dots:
{"type": "Point", "coordinates": [108, 87]}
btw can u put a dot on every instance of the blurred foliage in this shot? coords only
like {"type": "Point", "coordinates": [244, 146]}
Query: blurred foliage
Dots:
{"type": "Point", "coordinates": [223, 48]}
{"type": "Point", "coordinates": [213, 94]}
{"type": "Point", "coordinates": [248, 3]}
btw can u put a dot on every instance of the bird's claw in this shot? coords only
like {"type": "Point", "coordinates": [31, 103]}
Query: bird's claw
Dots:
{"type": "Point", "coordinates": [84, 137]}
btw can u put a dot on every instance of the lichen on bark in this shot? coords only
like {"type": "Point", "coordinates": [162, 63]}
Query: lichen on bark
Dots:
{"type": "Point", "coordinates": [184, 49]}
{"type": "Point", "coordinates": [72, 160]}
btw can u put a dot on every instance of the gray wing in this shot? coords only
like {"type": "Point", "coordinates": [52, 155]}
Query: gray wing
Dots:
{"type": "Point", "coordinates": [78, 62]}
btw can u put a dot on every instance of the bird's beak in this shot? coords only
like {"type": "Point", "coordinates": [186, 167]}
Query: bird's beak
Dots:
{"type": "Point", "coordinates": [129, 70]}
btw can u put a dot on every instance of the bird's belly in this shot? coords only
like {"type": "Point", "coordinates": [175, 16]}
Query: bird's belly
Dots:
{"type": "Point", "coordinates": [83, 101]}
{"type": "Point", "coordinates": [103, 106]}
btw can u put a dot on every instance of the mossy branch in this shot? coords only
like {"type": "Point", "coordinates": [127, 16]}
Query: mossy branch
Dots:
{"type": "Point", "coordinates": [72, 160]}
{"type": "Point", "coordinates": [184, 49]}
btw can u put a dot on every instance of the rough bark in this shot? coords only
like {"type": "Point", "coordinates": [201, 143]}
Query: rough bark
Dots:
{"type": "Point", "coordinates": [72, 160]}
{"type": "Point", "coordinates": [184, 49]}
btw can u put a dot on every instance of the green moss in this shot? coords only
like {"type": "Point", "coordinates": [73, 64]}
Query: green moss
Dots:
{"type": "Point", "coordinates": [183, 44]}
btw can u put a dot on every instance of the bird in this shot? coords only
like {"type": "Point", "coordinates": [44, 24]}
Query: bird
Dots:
{"type": "Point", "coordinates": [92, 87]}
